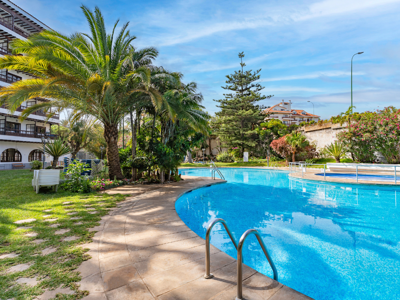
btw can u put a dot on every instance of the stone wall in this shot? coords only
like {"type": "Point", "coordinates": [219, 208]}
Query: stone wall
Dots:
{"type": "Point", "coordinates": [323, 135]}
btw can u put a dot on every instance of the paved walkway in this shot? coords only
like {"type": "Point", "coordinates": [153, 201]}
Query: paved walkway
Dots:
{"type": "Point", "coordinates": [143, 250]}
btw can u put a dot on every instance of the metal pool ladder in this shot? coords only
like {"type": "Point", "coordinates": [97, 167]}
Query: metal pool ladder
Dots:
{"type": "Point", "coordinates": [239, 249]}
{"type": "Point", "coordinates": [216, 170]}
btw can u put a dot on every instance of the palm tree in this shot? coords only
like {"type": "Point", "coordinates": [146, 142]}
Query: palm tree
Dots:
{"type": "Point", "coordinates": [297, 141]}
{"type": "Point", "coordinates": [90, 73]}
{"type": "Point", "coordinates": [57, 148]}
{"type": "Point", "coordinates": [336, 150]}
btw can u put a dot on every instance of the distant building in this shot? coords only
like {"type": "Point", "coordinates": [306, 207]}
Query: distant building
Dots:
{"type": "Point", "coordinates": [283, 111]}
{"type": "Point", "coordinates": [20, 142]}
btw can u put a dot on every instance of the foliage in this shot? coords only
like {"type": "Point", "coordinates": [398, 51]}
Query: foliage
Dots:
{"type": "Point", "coordinates": [78, 133]}
{"type": "Point", "coordinates": [282, 147]}
{"type": "Point", "coordinates": [236, 122]}
{"type": "Point", "coordinates": [93, 74]}
{"type": "Point", "coordinates": [103, 184]}
{"type": "Point", "coordinates": [269, 131]}
{"type": "Point", "coordinates": [36, 165]}
{"type": "Point", "coordinates": [308, 152]}
{"type": "Point", "coordinates": [76, 182]}
{"type": "Point", "coordinates": [225, 157]}
{"type": "Point", "coordinates": [56, 148]}
{"type": "Point", "coordinates": [297, 141]}
{"type": "Point", "coordinates": [97, 141]}
{"type": "Point", "coordinates": [336, 150]}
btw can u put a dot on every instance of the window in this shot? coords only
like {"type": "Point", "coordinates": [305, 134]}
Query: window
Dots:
{"type": "Point", "coordinates": [40, 129]}
{"type": "Point", "coordinates": [30, 128]}
{"type": "Point", "coordinates": [14, 127]}
{"type": "Point", "coordinates": [11, 155]}
{"type": "Point", "coordinates": [2, 124]}
{"type": "Point", "coordinates": [35, 155]}
{"type": "Point", "coordinates": [30, 103]}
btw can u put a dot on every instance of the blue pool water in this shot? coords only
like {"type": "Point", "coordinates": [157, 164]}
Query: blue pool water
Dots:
{"type": "Point", "coordinates": [361, 176]}
{"type": "Point", "coordinates": [328, 241]}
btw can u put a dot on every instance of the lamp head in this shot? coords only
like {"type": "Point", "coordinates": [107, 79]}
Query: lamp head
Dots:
{"type": "Point", "coordinates": [360, 52]}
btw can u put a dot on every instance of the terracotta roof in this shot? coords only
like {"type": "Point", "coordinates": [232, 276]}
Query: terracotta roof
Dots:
{"type": "Point", "coordinates": [298, 111]}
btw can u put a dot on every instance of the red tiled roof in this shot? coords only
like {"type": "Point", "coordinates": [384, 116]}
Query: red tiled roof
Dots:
{"type": "Point", "coordinates": [271, 110]}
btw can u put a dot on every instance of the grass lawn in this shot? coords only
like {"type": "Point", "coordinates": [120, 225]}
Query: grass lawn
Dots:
{"type": "Point", "coordinates": [18, 201]}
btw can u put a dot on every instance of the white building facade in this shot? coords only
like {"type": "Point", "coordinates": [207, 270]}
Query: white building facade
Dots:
{"type": "Point", "coordinates": [284, 112]}
{"type": "Point", "coordinates": [21, 142]}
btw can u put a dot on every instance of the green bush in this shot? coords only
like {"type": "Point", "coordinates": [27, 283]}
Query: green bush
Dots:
{"type": "Point", "coordinates": [36, 165]}
{"type": "Point", "coordinates": [225, 157]}
{"type": "Point", "coordinates": [76, 182]}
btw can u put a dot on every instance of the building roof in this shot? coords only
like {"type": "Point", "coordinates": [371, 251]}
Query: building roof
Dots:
{"type": "Point", "coordinates": [272, 110]}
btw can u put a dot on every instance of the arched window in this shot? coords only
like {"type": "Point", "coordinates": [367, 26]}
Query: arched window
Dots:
{"type": "Point", "coordinates": [11, 155]}
{"type": "Point", "coordinates": [35, 155]}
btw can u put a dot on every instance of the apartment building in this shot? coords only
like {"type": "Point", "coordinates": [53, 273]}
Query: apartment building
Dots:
{"type": "Point", "coordinates": [283, 111]}
{"type": "Point", "coordinates": [20, 142]}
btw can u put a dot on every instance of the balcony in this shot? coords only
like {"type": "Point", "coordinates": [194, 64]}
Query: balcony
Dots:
{"type": "Point", "coordinates": [10, 25]}
{"type": "Point", "coordinates": [4, 51]}
{"type": "Point", "coordinates": [9, 77]}
{"type": "Point", "coordinates": [27, 133]}
{"type": "Point", "coordinates": [36, 113]}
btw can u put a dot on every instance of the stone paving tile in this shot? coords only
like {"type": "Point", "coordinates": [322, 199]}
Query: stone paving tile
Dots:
{"type": "Point", "coordinates": [48, 250]}
{"type": "Point", "coordinates": [47, 210]}
{"type": "Point", "coordinates": [91, 208]}
{"type": "Point", "coordinates": [78, 223]}
{"type": "Point", "coordinates": [25, 221]}
{"type": "Point", "coordinates": [28, 281]}
{"type": "Point", "coordinates": [89, 267]}
{"type": "Point", "coordinates": [24, 227]}
{"type": "Point", "coordinates": [54, 225]}
{"type": "Point", "coordinates": [18, 268]}
{"type": "Point", "coordinates": [62, 231]}
{"type": "Point", "coordinates": [95, 296]}
{"type": "Point", "coordinates": [39, 241]}
{"type": "Point", "coordinates": [46, 216]}
{"type": "Point", "coordinates": [9, 255]}
{"type": "Point", "coordinates": [72, 213]}
{"type": "Point", "coordinates": [92, 212]}
{"type": "Point", "coordinates": [51, 220]}
{"type": "Point", "coordinates": [47, 295]}
{"type": "Point", "coordinates": [115, 262]}
{"type": "Point", "coordinates": [67, 202]}
{"type": "Point", "coordinates": [31, 234]}
{"type": "Point", "coordinates": [135, 290]}
{"type": "Point", "coordinates": [70, 238]}
{"type": "Point", "coordinates": [75, 218]}
{"type": "Point", "coordinates": [119, 277]}
{"type": "Point", "coordinates": [93, 284]}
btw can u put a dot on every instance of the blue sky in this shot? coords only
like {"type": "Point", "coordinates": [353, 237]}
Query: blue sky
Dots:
{"type": "Point", "coordinates": [304, 48]}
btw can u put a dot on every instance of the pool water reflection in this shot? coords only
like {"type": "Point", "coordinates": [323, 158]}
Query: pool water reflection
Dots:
{"type": "Point", "coordinates": [328, 241]}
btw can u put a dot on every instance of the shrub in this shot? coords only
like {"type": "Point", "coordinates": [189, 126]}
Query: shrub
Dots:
{"type": "Point", "coordinates": [103, 184]}
{"type": "Point", "coordinates": [225, 157]}
{"type": "Point", "coordinates": [36, 165]}
{"type": "Point", "coordinates": [336, 150]}
{"type": "Point", "coordinates": [76, 182]}
{"type": "Point", "coordinates": [281, 147]}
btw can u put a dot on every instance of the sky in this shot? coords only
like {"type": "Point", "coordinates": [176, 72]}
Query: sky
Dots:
{"type": "Point", "coordinates": [303, 47]}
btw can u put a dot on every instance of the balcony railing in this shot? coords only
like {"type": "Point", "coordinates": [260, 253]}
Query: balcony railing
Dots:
{"type": "Point", "coordinates": [9, 78]}
{"type": "Point", "coordinates": [10, 25]}
{"type": "Point", "coordinates": [5, 51]}
{"type": "Point", "coordinates": [37, 113]}
{"type": "Point", "coordinates": [27, 133]}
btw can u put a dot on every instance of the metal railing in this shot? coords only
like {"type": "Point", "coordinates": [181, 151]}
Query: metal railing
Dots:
{"type": "Point", "coordinates": [208, 275]}
{"type": "Point", "coordinates": [240, 260]}
{"type": "Point", "coordinates": [216, 170]}
{"type": "Point", "coordinates": [27, 133]}
{"type": "Point", "coordinates": [301, 167]}
{"type": "Point", "coordinates": [239, 249]}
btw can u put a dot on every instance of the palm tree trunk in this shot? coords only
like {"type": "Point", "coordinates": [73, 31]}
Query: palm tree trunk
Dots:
{"type": "Point", "coordinates": [152, 137]}
{"type": "Point", "coordinates": [293, 156]}
{"type": "Point", "coordinates": [133, 129]}
{"type": "Point", "coordinates": [55, 161]}
{"type": "Point", "coordinates": [111, 137]}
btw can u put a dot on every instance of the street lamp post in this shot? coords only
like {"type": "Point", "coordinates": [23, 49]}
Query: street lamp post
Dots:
{"type": "Point", "coordinates": [352, 78]}
{"type": "Point", "coordinates": [44, 141]}
{"type": "Point", "coordinates": [204, 151]}
{"type": "Point", "coordinates": [312, 106]}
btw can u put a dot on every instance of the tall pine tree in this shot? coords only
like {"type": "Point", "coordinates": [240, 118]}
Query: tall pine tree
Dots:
{"type": "Point", "coordinates": [236, 122]}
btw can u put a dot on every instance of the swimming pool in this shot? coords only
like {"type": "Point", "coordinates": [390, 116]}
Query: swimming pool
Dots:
{"type": "Point", "coordinates": [328, 240]}
{"type": "Point", "coordinates": [361, 176]}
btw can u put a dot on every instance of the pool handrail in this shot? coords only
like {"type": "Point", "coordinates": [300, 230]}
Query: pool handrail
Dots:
{"type": "Point", "coordinates": [240, 260]}
{"type": "Point", "coordinates": [215, 169]}
{"type": "Point", "coordinates": [208, 275]}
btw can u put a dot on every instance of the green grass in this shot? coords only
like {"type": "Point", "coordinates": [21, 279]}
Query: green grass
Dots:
{"type": "Point", "coordinates": [19, 201]}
